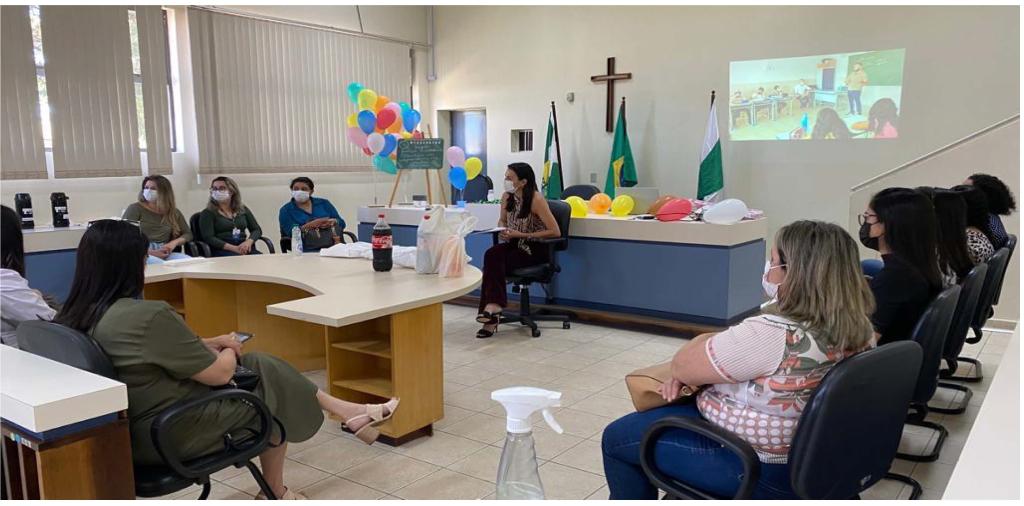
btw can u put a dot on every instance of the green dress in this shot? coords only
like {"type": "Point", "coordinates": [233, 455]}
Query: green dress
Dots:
{"type": "Point", "coordinates": [155, 354]}
{"type": "Point", "coordinates": [155, 227]}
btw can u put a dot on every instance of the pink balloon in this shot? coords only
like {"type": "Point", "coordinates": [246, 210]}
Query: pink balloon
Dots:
{"type": "Point", "coordinates": [385, 117]}
{"type": "Point", "coordinates": [456, 156]}
{"type": "Point", "coordinates": [375, 142]}
{"type": "Point", "coordinates": [419, 135]}
{"type": "Point", "coordinates": [357, 137]}
{"type": "Point", "coordinates": [395, 107]}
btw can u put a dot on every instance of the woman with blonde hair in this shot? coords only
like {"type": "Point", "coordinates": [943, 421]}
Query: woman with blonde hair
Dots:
{"type": "Point", "coordinates": [160, 220]}
{"type": "Point", "coordinates": [225, 221]}
{"type": "Point", "coordinates": [756, 375]}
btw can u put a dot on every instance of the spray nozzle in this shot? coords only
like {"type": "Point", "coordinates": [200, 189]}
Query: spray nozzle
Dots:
{"type": "Point", "coordinates": [521, 402]}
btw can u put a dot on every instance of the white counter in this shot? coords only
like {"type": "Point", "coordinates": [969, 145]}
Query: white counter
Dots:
{"type": "Point", "coordinates": [989, 466]}
{"type": "Point", "coordinates": [48, 238]}
{"type": "Point", "coordinates": [40, 394]}
{"type": "Point", "coordinates": [599, 226]}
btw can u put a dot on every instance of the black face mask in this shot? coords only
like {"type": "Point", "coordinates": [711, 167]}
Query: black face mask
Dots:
{"type": "Point", "coordinates": [866, 239]}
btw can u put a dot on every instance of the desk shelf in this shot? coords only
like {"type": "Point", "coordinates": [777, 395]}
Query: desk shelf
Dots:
{"type": "Point", "coordinates": [373, 347]}
{"type": "Point", "coordinates": [380, 387]}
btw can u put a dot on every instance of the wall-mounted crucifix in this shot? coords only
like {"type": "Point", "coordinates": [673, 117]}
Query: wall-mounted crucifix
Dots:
{"type": "Point", "coordinates": [610, 79]}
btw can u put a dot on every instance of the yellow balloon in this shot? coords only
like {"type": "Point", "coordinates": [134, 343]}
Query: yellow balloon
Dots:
{"type": "Point", "coordinates": [578, 206]}
{"type": "Point", "coordinates": [367, 99]}
{"type": "Point", "coordinates": [406, 135]}
{"type": "Point", "coordinates": [380, 103]}
{"type": "Point", "coordinates": [622, 205]}
{"type": "Point", "coordinates": [473, 167]}
{"type": "Point", "coordinates": [600, 203]}
{"type": "Point", "coordinates": [353, 120]}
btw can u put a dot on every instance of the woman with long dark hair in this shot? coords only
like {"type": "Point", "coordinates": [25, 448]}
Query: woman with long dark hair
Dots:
{"type": "Point", "coordinates": [980, 240]}
{"type": "Point", "coordinates": [951, 216]}
{"type": "Point", "coordinates": [1000, 203]}
{"type": "Point", "coordinates": [18, 302]}
{"type": "Point", "coordinates": [526, 216]}
{"type": "Point", "coordinates": [884, 119]}
{"type": "Point", "coordinates": [163, 362]}
{"type": "Point", "coordinates": [900, 224]}
{"type": "Point", "coordinates": [160, 220]}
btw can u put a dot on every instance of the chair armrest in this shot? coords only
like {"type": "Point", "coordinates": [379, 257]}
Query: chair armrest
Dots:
{"type": "Point", "coordinates": [200, 248]}
{"type": "Point", "coordinates": [165, 421]}
{"type": "Point", "coordinates": [350, 235]}
{"type": "Point", "coordinates": [269, 243]}
{"type": "Point", "coordinates": [743, 450]}
{"type": "Point", "coordinates": [286, 244]}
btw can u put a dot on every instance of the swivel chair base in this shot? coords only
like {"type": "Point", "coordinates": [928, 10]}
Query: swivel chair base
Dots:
{"type": "Point", "coordinates": [525, 316]}
{"type": "Point", "coordinates": [915, 487]}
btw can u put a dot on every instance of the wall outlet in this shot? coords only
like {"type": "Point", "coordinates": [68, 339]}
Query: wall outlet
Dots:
{"type": "Point", "coordinates": [593, 177]}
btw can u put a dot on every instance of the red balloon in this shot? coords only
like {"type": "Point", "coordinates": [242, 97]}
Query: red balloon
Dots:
{"type": "Point", "coordinates": [385, 117]}
{"type": "Point", "coordinates": [367, 152]}
{"type": "Point", "coordinates": [674, 210]}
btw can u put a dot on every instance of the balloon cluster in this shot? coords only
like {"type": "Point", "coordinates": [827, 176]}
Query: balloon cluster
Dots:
{"type": "Point", "coordinates": [379, 125]}
{"type": "Point", "coordinates": [463, 169]}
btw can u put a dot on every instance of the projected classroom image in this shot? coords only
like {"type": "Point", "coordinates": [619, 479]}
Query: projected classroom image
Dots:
{"type": "Point", "coordinates": [824, 97]}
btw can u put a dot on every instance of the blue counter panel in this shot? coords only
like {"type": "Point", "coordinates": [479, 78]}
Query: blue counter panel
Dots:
{"type": "Point", "coordinates": [715, 285]}
{"type": "Point", "coordinates": [51, 272]}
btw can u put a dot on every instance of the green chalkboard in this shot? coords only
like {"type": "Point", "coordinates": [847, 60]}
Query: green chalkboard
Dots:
{"type": "Point", "coordinates": [420, 153]}
{"type": "Point", "coordinates": [884, 68]}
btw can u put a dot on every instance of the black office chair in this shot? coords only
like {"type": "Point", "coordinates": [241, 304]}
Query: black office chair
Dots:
{"type": "Point", "coordinates": [583, 191]}
{"type": "Point", "coordinates": [930, 333]}
{"type": "Point", "coordinates": [845, 440]}
{"type": "Point", "coordinates": [286, 242]}
{"type": "Point", "coordinates": [521, 279]}
{"type": "Point", "coordinates": [996, 269]}
{"type": "Point", "coordinates": [68, 346]}
{"type": "Point", "coordinates": [1011, 244]}
{"type": "Point", "coordinates": [970, 291]}
{"type": "Point", "coordinates": [475, 191]}
{"type": "Point", "coordinates": [203, 249]}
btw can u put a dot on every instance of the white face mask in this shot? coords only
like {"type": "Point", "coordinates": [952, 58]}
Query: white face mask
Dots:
{"type": "Point", "coordinates": [510, 186]}
{"type": "Point", "coordinates": [149, 194]}
{"type": "Point", "coordinates": [221, 196]}
{"type": "Point", "coordinates": [771, 289]}
{"type": "Point", "coordinates": [300, 196]}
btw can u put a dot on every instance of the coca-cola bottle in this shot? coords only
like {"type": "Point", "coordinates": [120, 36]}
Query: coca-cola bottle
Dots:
{"type": "Point", "coordinates": [381, 245]}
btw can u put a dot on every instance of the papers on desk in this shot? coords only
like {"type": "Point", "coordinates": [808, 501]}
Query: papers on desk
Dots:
{"type": "Point", "coordinates": [181, 262]}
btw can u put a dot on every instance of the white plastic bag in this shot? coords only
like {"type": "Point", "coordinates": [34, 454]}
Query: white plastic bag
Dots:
{"type": "Point", "coordinates": [453, 251]}
{"type": "Point", "coordinates": [438, 228]}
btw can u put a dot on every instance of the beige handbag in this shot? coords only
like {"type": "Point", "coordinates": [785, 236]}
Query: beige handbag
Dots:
{"type": "Point", "coordinates": [643, 386]}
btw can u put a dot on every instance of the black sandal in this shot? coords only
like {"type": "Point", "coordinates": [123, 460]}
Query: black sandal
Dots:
{"type": "Point", "coordinates": [484, 333]}
{"type": "Point", "coordinates": [488, 318]}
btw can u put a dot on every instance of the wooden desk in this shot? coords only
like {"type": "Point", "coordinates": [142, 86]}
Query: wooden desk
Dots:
{"type": "Point", "coordinates": [65, 431]}
{"type": "Point", "coordinates": [378, 334]}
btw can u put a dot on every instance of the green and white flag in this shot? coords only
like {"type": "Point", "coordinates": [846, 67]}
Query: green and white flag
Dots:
{"type": "Point", "coordinates": [710, 181]}
{"type": "Point", "coordinates": [552, 178]}
{"type": "Point", "coordinates": [621, 169]}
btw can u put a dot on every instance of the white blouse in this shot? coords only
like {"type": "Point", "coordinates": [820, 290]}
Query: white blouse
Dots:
{"type": "Point", "coordinates": [19, 303]}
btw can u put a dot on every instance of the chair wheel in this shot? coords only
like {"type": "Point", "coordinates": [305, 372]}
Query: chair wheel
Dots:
{"type": "Point", "coordinates": [565, 325]}
{"type": "Point", "coordinates": [535, 332]}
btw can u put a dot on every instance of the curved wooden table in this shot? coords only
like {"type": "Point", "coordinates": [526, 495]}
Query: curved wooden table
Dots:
{"type": "Point", "coordinates": [378, 334]}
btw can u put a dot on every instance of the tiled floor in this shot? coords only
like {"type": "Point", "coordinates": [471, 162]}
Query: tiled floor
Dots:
{"type": "Point", "coordinates": [586, 364]}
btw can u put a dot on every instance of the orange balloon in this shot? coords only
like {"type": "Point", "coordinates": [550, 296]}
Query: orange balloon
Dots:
{"type": "Point", "coordinates": [662, 200]}
{"type": "Point", "coordinates": [381, 102]}
{"type": "Point", "coordinates": [395, 127]}
{"type": "Point", "coordinates": [600, 203]}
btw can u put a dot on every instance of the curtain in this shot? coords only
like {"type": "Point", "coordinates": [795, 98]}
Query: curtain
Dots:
{"type": "Point", "coordinates": [21, 154]}
{"type": "Point", "coordinates": [156, 104]}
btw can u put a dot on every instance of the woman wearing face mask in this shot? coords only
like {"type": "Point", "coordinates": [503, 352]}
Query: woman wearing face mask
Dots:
{"type": "Point", "coordinates": [312, 215]}
{"type": "Point", "coordinates": [160, 220]}
{"type": "Point", "coordinates": [900, 224]}
{"type": "Point", "coordinates": [764, 369]}
{"type": "Point", "coordinates": [526, 216]}
{"type": "Point", "coordinates": [225, 221]}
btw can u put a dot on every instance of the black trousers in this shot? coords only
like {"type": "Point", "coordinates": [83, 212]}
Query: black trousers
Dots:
{"type": "Point", "coordinates": [499, 261]}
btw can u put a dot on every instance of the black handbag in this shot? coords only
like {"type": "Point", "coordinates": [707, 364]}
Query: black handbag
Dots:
{"type": "Point", "coordinates": [320, 238]}
{"type": "Point", "coordinates": [244, 378]}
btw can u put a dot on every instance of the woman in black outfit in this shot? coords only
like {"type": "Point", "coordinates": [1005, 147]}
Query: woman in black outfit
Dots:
{"type": "Point", "coordinates": [951, 215]}
{"type": "Point", "coordinates": [900, 224]}
{"type": "Point", "coordinates": [1000, 202]}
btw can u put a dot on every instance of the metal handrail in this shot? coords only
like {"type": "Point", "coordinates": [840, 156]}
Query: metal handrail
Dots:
{"type": "Point", "coordinates": [943, 149]}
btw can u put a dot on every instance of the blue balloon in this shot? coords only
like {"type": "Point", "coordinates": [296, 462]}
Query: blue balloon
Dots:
{"type": "Point", "coordinates": [385, 164]}
{"type": "Point", "coordinates": [458, 177]}
{"type": "Point", "coordinates": [353, 91]}
{"type": "Point", "coordinates": [367, 122]}
{"type": "Point", "coordinates": [405, 107]}
{"type": "Point", "coordinates": [410, 119]}
{"type": "Point", "coordinates": [389, 145]}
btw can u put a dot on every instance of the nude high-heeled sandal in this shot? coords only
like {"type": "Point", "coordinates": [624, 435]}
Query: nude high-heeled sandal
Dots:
{"type": "Point", "coordinates": [375, 412]}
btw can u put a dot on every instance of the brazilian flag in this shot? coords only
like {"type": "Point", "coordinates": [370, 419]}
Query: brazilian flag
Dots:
{"type": "Point", "coordinates": [621, 169]}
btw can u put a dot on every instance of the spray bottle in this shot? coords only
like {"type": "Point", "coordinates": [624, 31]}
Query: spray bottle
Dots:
{"type": "Point", "coordinates": [518, 477]}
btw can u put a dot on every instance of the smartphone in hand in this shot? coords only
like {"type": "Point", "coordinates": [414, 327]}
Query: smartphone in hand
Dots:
{"type": "Point", "coordinates": [243, 336]}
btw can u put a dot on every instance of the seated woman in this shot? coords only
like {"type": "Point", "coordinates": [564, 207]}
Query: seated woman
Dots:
{"type": "Point", "coordinates": [18, 302]}
{"type": "Point", "coordinates": [884, 119]}
{"type": "Point", "coordinates": [820, 317]}
{"type": "Point", "coordinates": [980, 241]}
{"type": "Point", "coordinates": [310, 213]}
{"type": "Point", "coordinates": [951, 217]}
{"type": "Point", "coordinates": [1000, 203]}
{"type": "Point", "coordinates": [526, 216]}
{"type": "Point", "coordinates": [163, 362]}
{"type": "Point", "coordinates": [160, 220]}
{"type": "Point", "coordinates": [829, 125]}
{"type": "Point", "coordinates": [900, 224]}
{"type": "Point", "coordinates": [224, 222]}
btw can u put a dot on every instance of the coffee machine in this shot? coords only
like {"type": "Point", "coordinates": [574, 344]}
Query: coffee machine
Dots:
{"type": "Point", "coordinates": [59, 206]}
{"type": "Point", "coordinates": [23, 205]}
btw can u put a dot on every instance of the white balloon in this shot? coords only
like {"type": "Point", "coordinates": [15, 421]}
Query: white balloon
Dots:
{"type": "Point", "coordinates": [726, 212]}
{"type": "Point", "coordinates": [375, 142]}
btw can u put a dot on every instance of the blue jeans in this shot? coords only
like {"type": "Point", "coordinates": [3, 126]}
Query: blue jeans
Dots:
{"type": "Point", "coordinates": [871, 267]}
{"type": "Point", "coordinates": [156, 260]}
{"type": "Point", "coordinates": [688, 457]}
{"type": "Point", "coordinates": [854, 98]}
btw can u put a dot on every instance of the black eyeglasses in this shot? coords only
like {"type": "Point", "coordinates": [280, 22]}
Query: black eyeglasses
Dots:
{"type": "Point", "coordinates": [864, 217]}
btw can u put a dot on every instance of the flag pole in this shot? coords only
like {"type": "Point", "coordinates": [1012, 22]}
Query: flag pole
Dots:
{"type": "Point", "coordinates": [712, 97]}
{"type": "Point", "coordinates": [558, 151]}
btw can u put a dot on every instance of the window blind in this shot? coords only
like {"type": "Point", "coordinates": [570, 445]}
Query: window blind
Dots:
{"type": "Point", "coordinates": [153, 63]}
{"type": "Point", "coordinates": [270, 97]}
{"type": "Point", "coordinates": [21, 153]}
{"type": "Point", "coordinates": [91, 91]}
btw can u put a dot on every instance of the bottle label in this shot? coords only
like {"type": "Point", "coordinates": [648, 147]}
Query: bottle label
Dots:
{"type": "Point", "coordinates": [381, 242]}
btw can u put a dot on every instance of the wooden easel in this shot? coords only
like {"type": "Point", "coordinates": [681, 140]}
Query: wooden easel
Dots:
{"type": "Point", "coordinates": [430, 194]}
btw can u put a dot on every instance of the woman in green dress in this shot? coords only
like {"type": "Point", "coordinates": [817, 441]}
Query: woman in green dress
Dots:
{"type": "Point", "coordinates": [163, 362]}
